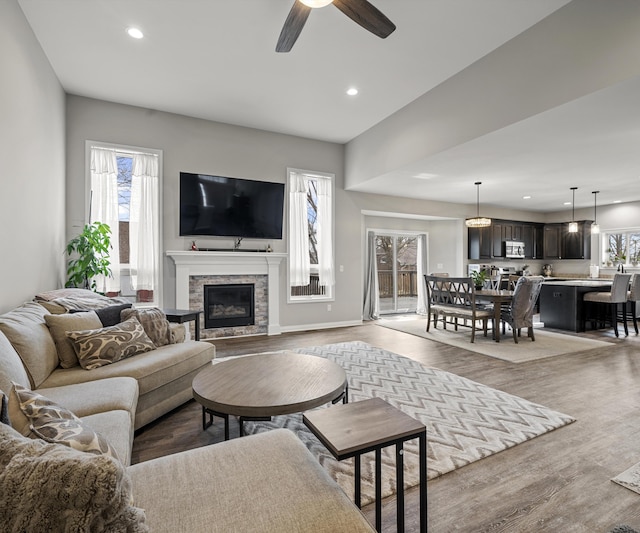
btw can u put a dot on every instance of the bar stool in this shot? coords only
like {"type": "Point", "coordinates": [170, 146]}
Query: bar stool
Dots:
{"type": "Point", "coordinates": [618, 295]}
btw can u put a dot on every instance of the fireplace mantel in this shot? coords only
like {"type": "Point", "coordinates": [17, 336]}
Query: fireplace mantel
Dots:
{"type": "Point", "coordinates": [200, 263]}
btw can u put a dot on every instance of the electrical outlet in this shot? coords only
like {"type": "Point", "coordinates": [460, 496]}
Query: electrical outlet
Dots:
{"type": "Point", "coordinates": [440, 266]}
{"type": "Point", "coordinates": [341, 268]}
{"type": "Point", "coordinates": [328, 307]}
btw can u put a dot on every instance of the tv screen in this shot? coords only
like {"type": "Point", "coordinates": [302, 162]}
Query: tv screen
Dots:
{"type": "Point", "coordinates": [219, 206]}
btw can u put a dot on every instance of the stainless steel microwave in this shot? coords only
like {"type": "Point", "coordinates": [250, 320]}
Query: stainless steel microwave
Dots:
{"type": "Point", "coordinates": [514, 249]}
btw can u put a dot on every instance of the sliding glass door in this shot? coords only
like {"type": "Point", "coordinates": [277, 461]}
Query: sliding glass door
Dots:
{"type": "Point", "coordinates": [396, 259]}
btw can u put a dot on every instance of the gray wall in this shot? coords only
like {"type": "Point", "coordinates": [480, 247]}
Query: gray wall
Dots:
{"type": "Point", "coordinates": [32, 164]}
{"type": "Point", "coordinates": [196, 145]}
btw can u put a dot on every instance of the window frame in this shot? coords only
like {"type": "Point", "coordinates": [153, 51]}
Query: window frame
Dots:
{"type": "Point", "coordinates": [123, 149]}
{"type": "Point", "coordinates": [330, 290]}
{"type": "Point", "coordinates": [604, 245]}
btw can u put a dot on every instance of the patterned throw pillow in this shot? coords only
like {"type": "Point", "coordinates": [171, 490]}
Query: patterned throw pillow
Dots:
{"type": "Point", "coordinates": [54, 423]}
{"type": "Point", "coordinates": [154, 322]}
{"type": "Point", "coordinates": [99, 347]}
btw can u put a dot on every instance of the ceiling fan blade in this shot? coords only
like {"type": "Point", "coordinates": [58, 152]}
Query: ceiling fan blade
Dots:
{"type": "Point", "coordinates": [292, 26]}
{"type": "Point", "coordinates": [368, 16]}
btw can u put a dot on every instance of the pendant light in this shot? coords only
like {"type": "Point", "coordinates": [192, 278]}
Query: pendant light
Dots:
{"type": "Point", "coordinates": [478, 221]}
{"type": "Point", "coordinates": [595, 228]}
{"type": "Point", "coordinates": [573, 225]}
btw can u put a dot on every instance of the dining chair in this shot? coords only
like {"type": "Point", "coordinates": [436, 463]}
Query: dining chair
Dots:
{"type": "Point", "coordinates": [493, 282]}
{"type": "Point", "coordinates": [632, 297]}
{"type": "Point", "coordinates": [595, 301]}
{"type": "Point", "coordinates": [519, 314]}
{"type": "Point", "coordinates": [513, 279]}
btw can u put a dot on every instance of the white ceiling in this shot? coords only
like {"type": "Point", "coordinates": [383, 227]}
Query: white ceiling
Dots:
{"type": "Point", "coordinates": [216, 59]}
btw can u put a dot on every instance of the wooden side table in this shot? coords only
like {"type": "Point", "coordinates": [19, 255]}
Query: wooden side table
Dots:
{"type": "Point", "coordinates": [349, 430]}
{"type": "Point", "coordinates": [180, 316]}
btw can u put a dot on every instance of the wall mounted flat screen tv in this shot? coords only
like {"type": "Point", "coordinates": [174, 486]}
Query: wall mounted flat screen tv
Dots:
{"type": "Point", "coordinates": [220, 206]}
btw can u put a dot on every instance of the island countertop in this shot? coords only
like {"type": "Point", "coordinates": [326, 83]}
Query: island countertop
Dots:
{"type": "Point", "coordinates": [580, 282]}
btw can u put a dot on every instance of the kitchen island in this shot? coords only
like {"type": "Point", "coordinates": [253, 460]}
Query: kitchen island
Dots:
{"type": "Point", "coordinates": [561, 301]}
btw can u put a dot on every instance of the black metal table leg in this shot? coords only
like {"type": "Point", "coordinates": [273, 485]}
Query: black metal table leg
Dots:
{"type": "Point", "coordinates": [400, 487]}
{"type": "Point", "coordinates": [422, 443]}
{"type": "Point", "coordinates": [358, 482]}
{"type": "Point", "coordinates": [378, 489]}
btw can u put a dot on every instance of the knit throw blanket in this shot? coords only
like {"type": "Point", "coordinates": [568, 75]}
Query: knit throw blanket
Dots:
{"type": "Point", "coordinates": [50, 487]}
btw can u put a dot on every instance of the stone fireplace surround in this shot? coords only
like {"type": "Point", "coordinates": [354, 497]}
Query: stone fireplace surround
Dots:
{"type": "Point", "coordinates": [194, 269]}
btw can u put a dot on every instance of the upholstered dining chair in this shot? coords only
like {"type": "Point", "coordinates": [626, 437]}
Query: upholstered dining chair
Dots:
{"type": "Point", "coordinates": [632, 297]}
{"type": "Point", "coordinates": [520, 313]}
{"type": "Point", "coordinates": [618, 295]}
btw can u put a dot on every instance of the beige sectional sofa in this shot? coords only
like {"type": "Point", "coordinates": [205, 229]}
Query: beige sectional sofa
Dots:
{"type": "Point", "coordinates": [262, 483]}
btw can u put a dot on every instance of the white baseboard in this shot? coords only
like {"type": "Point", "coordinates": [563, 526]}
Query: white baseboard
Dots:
{"type": "Point", "coordinates": [324, 325]}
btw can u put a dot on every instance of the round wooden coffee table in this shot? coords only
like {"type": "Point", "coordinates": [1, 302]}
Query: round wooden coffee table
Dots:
{"type": "Point", "coordinates": [257, 387]}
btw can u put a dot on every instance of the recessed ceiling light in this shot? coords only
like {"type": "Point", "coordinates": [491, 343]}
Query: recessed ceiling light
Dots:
{"type": "Point", "coordinates": [566, 203]}
{"type": "Point", "coordinates": [527, 197]}
{"type": "Point", "coordinates": [135, 33]}
{"type": "Point", "coordinates": [352, 91]}
{"type": "Point", "coordinates": [617, 201]}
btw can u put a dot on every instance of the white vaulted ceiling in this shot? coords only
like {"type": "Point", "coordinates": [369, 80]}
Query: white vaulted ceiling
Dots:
{"type": "Point", "coordinates": [216, 59]}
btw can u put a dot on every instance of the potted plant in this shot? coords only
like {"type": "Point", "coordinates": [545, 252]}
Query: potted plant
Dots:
{"type": "Point", "coordinates": [479, 277]}
{"type": "Point", "coordinates": [88, 256]}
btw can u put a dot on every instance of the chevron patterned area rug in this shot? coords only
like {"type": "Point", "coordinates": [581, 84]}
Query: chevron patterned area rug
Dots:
{"type": "Point", "coordinates": [466, 421]}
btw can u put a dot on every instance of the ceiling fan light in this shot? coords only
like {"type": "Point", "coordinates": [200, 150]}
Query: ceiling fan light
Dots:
{"type": "Point", "coordinates": [316, 3]}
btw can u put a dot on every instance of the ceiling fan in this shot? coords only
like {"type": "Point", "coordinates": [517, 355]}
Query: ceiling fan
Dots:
{"type": "Point", "coordinates": [360, 11]}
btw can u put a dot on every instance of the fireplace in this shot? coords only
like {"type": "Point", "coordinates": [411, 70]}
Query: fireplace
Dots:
{"type": "Point", "coordinates": [229, 305]}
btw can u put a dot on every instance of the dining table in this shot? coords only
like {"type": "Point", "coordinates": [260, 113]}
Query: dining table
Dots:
{"type": "Point", "coordinates": [497, 297]}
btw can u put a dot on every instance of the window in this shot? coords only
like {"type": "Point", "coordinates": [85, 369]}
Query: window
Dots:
{"type": "Point", "coordinates": [124, 185]}
{"type": "Point", "coordinates": [621, 247]}
{"type": "Point", "coordinates": [311, 271]}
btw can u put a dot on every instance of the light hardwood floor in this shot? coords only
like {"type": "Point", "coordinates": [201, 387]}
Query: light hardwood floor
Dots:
{"type": "Point", "coordinates": [558, 482]}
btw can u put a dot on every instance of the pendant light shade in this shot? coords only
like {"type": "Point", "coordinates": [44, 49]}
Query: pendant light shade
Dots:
{"type": "Point", "coordinates": [478, 221]}
{"type": "Point", "coordinates": [573, 225]}
{"type": "Point", "coordinates": [595, 228]}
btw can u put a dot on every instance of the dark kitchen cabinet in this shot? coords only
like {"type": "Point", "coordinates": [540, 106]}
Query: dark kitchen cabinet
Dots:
{"type": "Point", "coordinates": [497, 233]}
{"type": "Point", "coordinates": [553, 241]}
{"type": "Point", "coordinates": [578, 245]}
{"type": "Point", "coordinates": [560, 244]}
{"type": "Point", "coordinates": [480, 243]}
{"type": "Point", "coordinates": [532, 235]}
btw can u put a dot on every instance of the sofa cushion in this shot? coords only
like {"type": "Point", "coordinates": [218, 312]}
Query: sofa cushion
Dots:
{"type": "Point", "coordinates": [303, 497]}
{"type": "Point", "coordinates": [59, 325]}
{"type": "Point", "coordinates": [154, 322]}
{"type": "Point", "coordinates": [48, 487]}
{"type": "Point", "coordinates": [53, 423]}
{"type": "Point", "coordinates": [11, 366]}
{"type": "Point", "coordinates": [99, 347]}
{"type": "Point", "coordinates": [152, 369]}
{"type": "Point", "coordinates": [27, 331]}
{"type": "Point", "coordinates": [99, 396]}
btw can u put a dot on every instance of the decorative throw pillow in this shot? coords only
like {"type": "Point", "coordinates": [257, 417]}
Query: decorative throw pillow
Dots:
{"type": "Point", "coordinates": [54, 423]}
{"type": "Point", "coordinates": [154, 322]}
{"type": "Point", "coordinates": [99, 347]}
{"type": "Point", "coordinates": [110, 316]}
{"type": "Point", "coordinates": [59, 325]}
{"type": "Point", "coordinates": [48, 487]}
